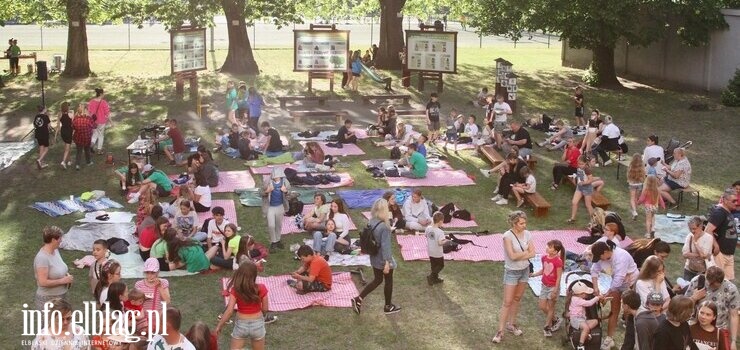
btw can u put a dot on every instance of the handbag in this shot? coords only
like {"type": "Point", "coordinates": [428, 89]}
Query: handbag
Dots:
{"type": "Point", "coordinates": [531, 266]}
{"type": "Point", "coordinates": [698, 265]}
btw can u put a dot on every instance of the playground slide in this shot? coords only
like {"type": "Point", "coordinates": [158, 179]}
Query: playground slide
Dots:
{"type": "Point", "coordinates": [371, 73]}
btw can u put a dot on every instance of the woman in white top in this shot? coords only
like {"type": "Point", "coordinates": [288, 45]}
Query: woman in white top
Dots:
{"type": "Point", "coordinates": [678, 175]}
{"type": "Point", "coordinates": [652, 279]}
{"type": "Point", "coordinates": [517, 268]}
{"type": "Point", "coordinates": [201, 195]}
{"type": "Point", "coordinates": [653, 150]}
{"type": "Point", "coordinates": [697, 249]}
{"type": "Point", "coordinates": [341, 221]}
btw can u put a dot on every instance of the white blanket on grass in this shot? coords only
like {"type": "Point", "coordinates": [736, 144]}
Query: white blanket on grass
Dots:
{"type": "Point", "coordinates": [344, 259]}
{"type": "Point", "coordinates": [81, 237]}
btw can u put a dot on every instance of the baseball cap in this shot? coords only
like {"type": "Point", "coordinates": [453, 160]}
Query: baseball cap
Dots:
{"type": "Point", "coordinates": [148, 168]}
{"type": "Point", "coordinates": [151, 265]}
{"type": "Point", "coordinates": [654, 298]}
{"type": "Point", "coordinates": [580, 287]}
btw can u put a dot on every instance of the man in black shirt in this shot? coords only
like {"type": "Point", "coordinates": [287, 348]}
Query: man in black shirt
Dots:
{"type": "Point", "coordinates": [345, 134]}
{"type": "Point", "coordinates": [723, 226]}
{"type": "Point", "coordinates": [41, 133]}
{"type": "Point", "coordinates": [519, 138]}
{"type": "Point", "coordinates": [273, 145]}
{"type": "Point", "coordinates": [433, 111]}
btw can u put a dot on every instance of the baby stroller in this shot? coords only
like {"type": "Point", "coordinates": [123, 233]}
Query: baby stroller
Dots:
{"type": "Point", "coordinates": [572, 336]}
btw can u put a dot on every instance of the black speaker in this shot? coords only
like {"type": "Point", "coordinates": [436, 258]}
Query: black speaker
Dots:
{"type": "Point", "coordinates": [42, 73]}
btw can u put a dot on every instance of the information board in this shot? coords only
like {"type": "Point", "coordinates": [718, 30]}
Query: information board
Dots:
{"type": "Point", "coordinates": [188, 50]}
{"type": "Point", "coordinates": [320, 50]}
{"type": "Point", "coordinates": [431, 51]}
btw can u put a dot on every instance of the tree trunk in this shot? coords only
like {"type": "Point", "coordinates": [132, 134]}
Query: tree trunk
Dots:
{"type": "Point", "coordinates": [240, 59]}
{"type": "Point", "coordinates": [78, 63]}
{"type": "Point", "coordinates": [603, 64]}
{"type": "Point", "coordinates": [391, 34]}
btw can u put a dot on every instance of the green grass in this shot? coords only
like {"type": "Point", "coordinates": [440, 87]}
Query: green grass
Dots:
{"type": "Point", "coordinates": [461, 314]}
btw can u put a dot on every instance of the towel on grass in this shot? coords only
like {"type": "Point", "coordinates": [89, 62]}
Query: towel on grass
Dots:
{"type": "Point", "coordinates": [115, 217]}
{"type": "Point", "coordinates": [451, 146]}
{"type": "Point", "coordinates": [432, 163]}
{"type": "Point", "coordinates": [67, 206]}
{"type": "Point", "coordinates": [671, 230]}
{"type": "Point", "coordinates": [345, 180]}
{"type": "Point", "coordinates": [348, 149]}
{"type": "Point", "coordinates": [232, 181]}
{"type": "Point", "coordinates": [325, 134]}
{"type": "Point", "coordinates": [454, 223]}
{"type": "Point", "coordinates": [284, 298]}
{"type": "Point", "coordinates": [133, 267]}
{"type": "Point", "coordinates": [253, 198]}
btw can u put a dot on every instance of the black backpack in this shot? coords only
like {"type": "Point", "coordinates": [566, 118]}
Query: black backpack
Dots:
{"type": "Point", "coordinates": [295, 207]}
{"type": "Point", "coordinates": [395, 153]}
{"type": "Point", "coordinates": [368, 244]}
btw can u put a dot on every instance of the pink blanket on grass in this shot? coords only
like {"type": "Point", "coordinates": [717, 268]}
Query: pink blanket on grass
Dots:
{"type": "Point", "coordinates": [267, 170]}
{"type": "Point", "coordinates": [435, 178]}
{"type": "Point", "coordinates": [455, 223]}
{"type": "Point", "coordinates": [289, 225]}
{"type": "Point", "coordinates": [433, 164]}
{"type": "Point", "coordinates": [415, 247]}
{"type": "Point", "coordinates": [229, 181]}
{"type": "Point", "coordinates": [345, 180]}
{"type": "Point", "coordinates": [348, 149]}
{"type": "Point", "coordinates": [284, 297]}
{"type": "Point", "coordinates": [229, 211]}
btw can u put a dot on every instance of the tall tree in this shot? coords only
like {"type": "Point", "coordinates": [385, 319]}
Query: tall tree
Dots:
{"type": "Point", "coordinates": [598, 25]}
{"type": "Point", "coordinates": [391, 34]}
{"type": "Point", "coordinates": [77, 63]}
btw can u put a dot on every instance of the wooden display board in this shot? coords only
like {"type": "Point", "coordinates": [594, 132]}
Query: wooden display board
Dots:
{"type": "Point", "coordinates": [320, 50]}
{"type": "Point", "coordinates": [431, 51]}
{"type": "Point", "coordinates": [188, 50]}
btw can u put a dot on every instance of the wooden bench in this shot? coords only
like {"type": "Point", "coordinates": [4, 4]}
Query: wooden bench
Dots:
{"type": "Point", "coordinates": [340, 115]}
{"type": "Point", "coordinates": [691, 191]}
{"type": "Point", "coordinates": [597, 199]}
{"type": "Point", "coordinates": [405, 98]}
{"type": "Point", "coordinates": [283, 99]}
{"type": "Point", "coordinates": [495, 158]}
{"type": "Point", "coordinates": [540, 205]}
{"type": "Point", "coordinates": [411, 112]}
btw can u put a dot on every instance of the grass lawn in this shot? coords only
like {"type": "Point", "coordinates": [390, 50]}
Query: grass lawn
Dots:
{"type": "Point", "coordinates": [462, 313]}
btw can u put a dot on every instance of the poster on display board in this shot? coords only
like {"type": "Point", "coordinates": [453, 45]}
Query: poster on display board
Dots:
{"type": "Point", "coordinates": [320, 50]}
{"type": "Point", "coordinates": [431, 51]}
{"type": "Point", "coordinates": [188, 50]}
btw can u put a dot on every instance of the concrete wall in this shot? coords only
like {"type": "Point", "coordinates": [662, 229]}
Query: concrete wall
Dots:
{"type": "Point", "coordinates": [707, 68]}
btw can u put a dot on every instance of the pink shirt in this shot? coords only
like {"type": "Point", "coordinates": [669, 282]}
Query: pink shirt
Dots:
{"type": "Point", "coordinates": [100, 109]}
{"type": "Point", "coordinates": [578, 306]}
{"type": "Point", "coordinates": [550, 268]}
{"type": "Point", "coordinates": [151, 304]}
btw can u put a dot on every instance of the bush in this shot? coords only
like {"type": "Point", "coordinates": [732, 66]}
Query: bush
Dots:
{"type": "Point", "coordinates": [731, 94]}
{"type": "Point", "coordinates": [591, 77]}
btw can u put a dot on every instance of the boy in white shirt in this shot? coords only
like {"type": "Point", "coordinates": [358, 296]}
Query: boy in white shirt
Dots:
{"type": "Point", "coordinates": [216, 227]}
{"type": "Point", "coordinates": [435, 240]}
{"type": "Point", "coordinates": [528, 187]}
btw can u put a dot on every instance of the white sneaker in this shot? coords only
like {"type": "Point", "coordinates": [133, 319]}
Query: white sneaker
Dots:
{"type": "Point", "coordinates": [608, 162]}
{"type": "Point", "coordinates": [497, 198]}
{"type": "Point", "coordinates": [486, 172]}
{"type": "Point", "coordinates": [502, 201]}
{"type": "Point", "coordinates": [134, 198]}
{"type": "Point", "coordinates": [607, 343]}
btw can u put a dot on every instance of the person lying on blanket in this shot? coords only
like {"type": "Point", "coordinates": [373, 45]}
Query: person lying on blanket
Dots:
{"type": "Point", "coordinates": [314, 275]}
{"type": "Point", "coordinates": [417, 164]}
{"type": "Point", "coordinates": [416, 212]}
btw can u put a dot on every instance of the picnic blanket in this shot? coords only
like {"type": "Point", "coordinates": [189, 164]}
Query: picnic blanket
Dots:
{"type": "Point", "coordinates": [535, 283]}
{"type": "Point", "coordinates": [348, 149]}
{"type": "Point", "coordinates": [297, 166]}
{"type": "Point", "coordinates": [414, 247]}
{"type": "Point", "coordinates": [432, 163]}
{"type": "Point", "coordinates": [451, 145]}
{"type": "Point", "coordinates": [289, 224]}
{"type": "Point", "coordinates": [345, 180]}
{"type": "Point", "coordinates": [284, 298]}
{"type": "Point", "coordinates": [230, 181]}
{"type": "Point", "coordinates": [437, 178]}
{"type": "Point", "coordinates": [455, 223]}
{"type": "Point", "coordinates": [365, 198]}
{"type": "Point", "coordinates": [115, 217]}
{"type": "Point", "coordinates": [229, 211]}
{"type": "Point", "coordinates": [355, 259]}
{"type": "Point", "coordinates": [12, 151]}
{"type": "Point", "coordinates": [284, 158]}
{"type": "Point", "coordinates": [81, 237]}
{"type": "Point", "coordinates": [324, 135]}
{"type": "Point", "coordinates": [67, 206]}
{"type": "Point", "coordinates": [252, 197]}
{"type": "Point", "coordinates": [133, 267]}
{"type": "Point", "coordinates": [671, 230]}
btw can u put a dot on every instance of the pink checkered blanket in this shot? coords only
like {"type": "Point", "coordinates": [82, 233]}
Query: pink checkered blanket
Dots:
{"type": "Point", "coordinates": [436, 178]}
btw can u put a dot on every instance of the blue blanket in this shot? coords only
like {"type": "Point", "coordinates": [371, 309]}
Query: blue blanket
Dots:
{"type": "Point", "coordinates": [355, 199]}
{"type": "Point", "coordinates": [67, 206]}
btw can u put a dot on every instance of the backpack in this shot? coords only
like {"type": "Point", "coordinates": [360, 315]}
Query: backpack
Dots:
{"type": "Point", "coordinates": [451, 246]}
{"type": "Point", "coordinates": [368, 244]}
{"type": "Point", "coordinates": [295, 207]}
{"type": "Point", "coordinates": [117, 245]}
{"type": "Point", "coordinates": [447, 211]}
{"type": "Point", "coordinates": [395, 153]}
{"type": "Point", "coordinates": [462, 214]}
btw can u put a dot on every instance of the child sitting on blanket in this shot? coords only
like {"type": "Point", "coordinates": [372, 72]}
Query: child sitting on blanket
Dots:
{"type": "Point", "coordinates": [435, 241]}
{"type": "Point", "coordinates": [528, 187]}
{"type": "Point", "coordinates": [314, 275]}
{"type": "Point", "coordinates": [455, 126]}
{"type": "Point", "coordinates": [100, 252]}
{"type": "Point", "coordinates": [185, 194]}
{"type": "Point", "coordinates": [252, 251]}
{"type": "Point", "coordinates": [186, 222]}
{"type": "Point", "coordinates": [552, 269]}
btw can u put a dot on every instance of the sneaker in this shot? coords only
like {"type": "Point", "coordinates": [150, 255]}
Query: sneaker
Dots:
{"type": "Point", "coordinates": [608, 162]}
{"type": "Point", "coordinates": [519, 203]}
{"type": "Point", "coordinates": [270, 319]}
{"type": "Point", "coordinates": [69, 163]}
{"type": "Point", "coordinates": [486, 172]}
{"type": "Point", "coordinates": [77, 167]}
{"type": "Point", "coordinates": [134, 198]}
{"type": "Point", "coordinates": [280, 245]}
{"type": "Point", "coordinates": [273, 248]}
{"type": "Point", "coordinates": [90, 164]}
{"type": "Point", "coordinates": [502, 201]}
{"type": "Point", "coordinates": [607, 344]}
{"type": "Point", "coordinates": [438, 280]}
{"type": "Point", "coordinates": [580, 347]}
{"type": "Point", "coordinates": [634, 215]}
{"type": "Point", "coordinates": [64, 165]}
{"type": "Point", "coordinates": [547, 332]}
{"type": "Point", "coordinates": [556, 323]}
{"type": "Point", "coordinates": [391, 309]}
{"type": "Point", "coordinates": [498, 337]}
{"type": "Point", "coordinates": [357, 305]}
{"type": "Point", "coordinates": [44, 165]}
{"type": "Point", "coordinates": [513, 329]}
{"type": "Point", "coordinates": [430, 280]}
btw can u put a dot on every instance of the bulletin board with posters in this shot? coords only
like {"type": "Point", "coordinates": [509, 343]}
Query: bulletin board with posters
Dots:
{"type": "Point", "coordinates": [320, 50]}
{"type": "Point", "coordinates": [188, 50]}
{"type": "Point", "coordinates": [431, 51]}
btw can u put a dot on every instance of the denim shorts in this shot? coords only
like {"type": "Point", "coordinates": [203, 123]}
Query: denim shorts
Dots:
{"type": "Point", "coordinates": [514, 277]}
{"type": "Point", "coordinates": [585, 190]}
{"type": "Point", "coordinates": [545, 292]}
{"type": "Point", "coordinates": [636, 187]}
{"type": "Point", "coordinates": [252, 329]}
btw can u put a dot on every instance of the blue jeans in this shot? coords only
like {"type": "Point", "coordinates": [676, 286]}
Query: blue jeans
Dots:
{"type": "Point", "coordinates": [318, 242]}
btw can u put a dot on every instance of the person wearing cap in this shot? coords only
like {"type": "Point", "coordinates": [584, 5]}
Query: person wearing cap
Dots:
{"type": "Point", "coordinates": [154, 180]}
{"type": "Point", "coordinates": [641, 320]}
{"type": "Point", "coordinates": [607, 256]}
{"type": "Point", "coordinates": [653, 151]}
{"type": "Point", "coordinates": [100, 113]}
{"type": "Point", "coordinates": [155, 289]}
{"type": "Point", "coordinates": [715, 288]}
{"type": "Point", "coordinates": [577, 311]}
{"type": "Point", "coordinates": [274, 205]}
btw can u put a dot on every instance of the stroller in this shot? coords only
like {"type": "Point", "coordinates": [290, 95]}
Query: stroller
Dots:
{"type": "Point", "coordinates": [572, 335]}
{"type": "Point", "coordinates": [672, 145]}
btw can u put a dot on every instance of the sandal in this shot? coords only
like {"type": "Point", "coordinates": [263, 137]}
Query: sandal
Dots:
{"type": "Point", "coordinates": [498, 337]}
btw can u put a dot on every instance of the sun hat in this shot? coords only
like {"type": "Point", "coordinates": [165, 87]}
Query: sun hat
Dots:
{"type": "Point", "coordinates": [151, 265]}
{"type": "Point", "coordinates": [147, 168]}
{"type": "Point", "coordinates": [580, 287]}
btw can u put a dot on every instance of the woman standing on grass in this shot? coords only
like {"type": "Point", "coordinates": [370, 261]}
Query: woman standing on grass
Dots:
{"type": "Point", "coordinates": [82, 126]}
{"type": "Point", "coordinates": [517, 267]}
{"type": "Point", "coordinates": [100, 110]}
{"type": "Point", "coordinates": [585, 183]}
{"type": "Point", "coordinates": [52, 274]}
{"type": "Point", "coordinates": [382, 261]}
{"type": "Point", "coordinates": [250, 300]}
{"type": "Point", "coordinates": [64, 126]}
{"type": "Point", "coordinates": [231, 103]}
